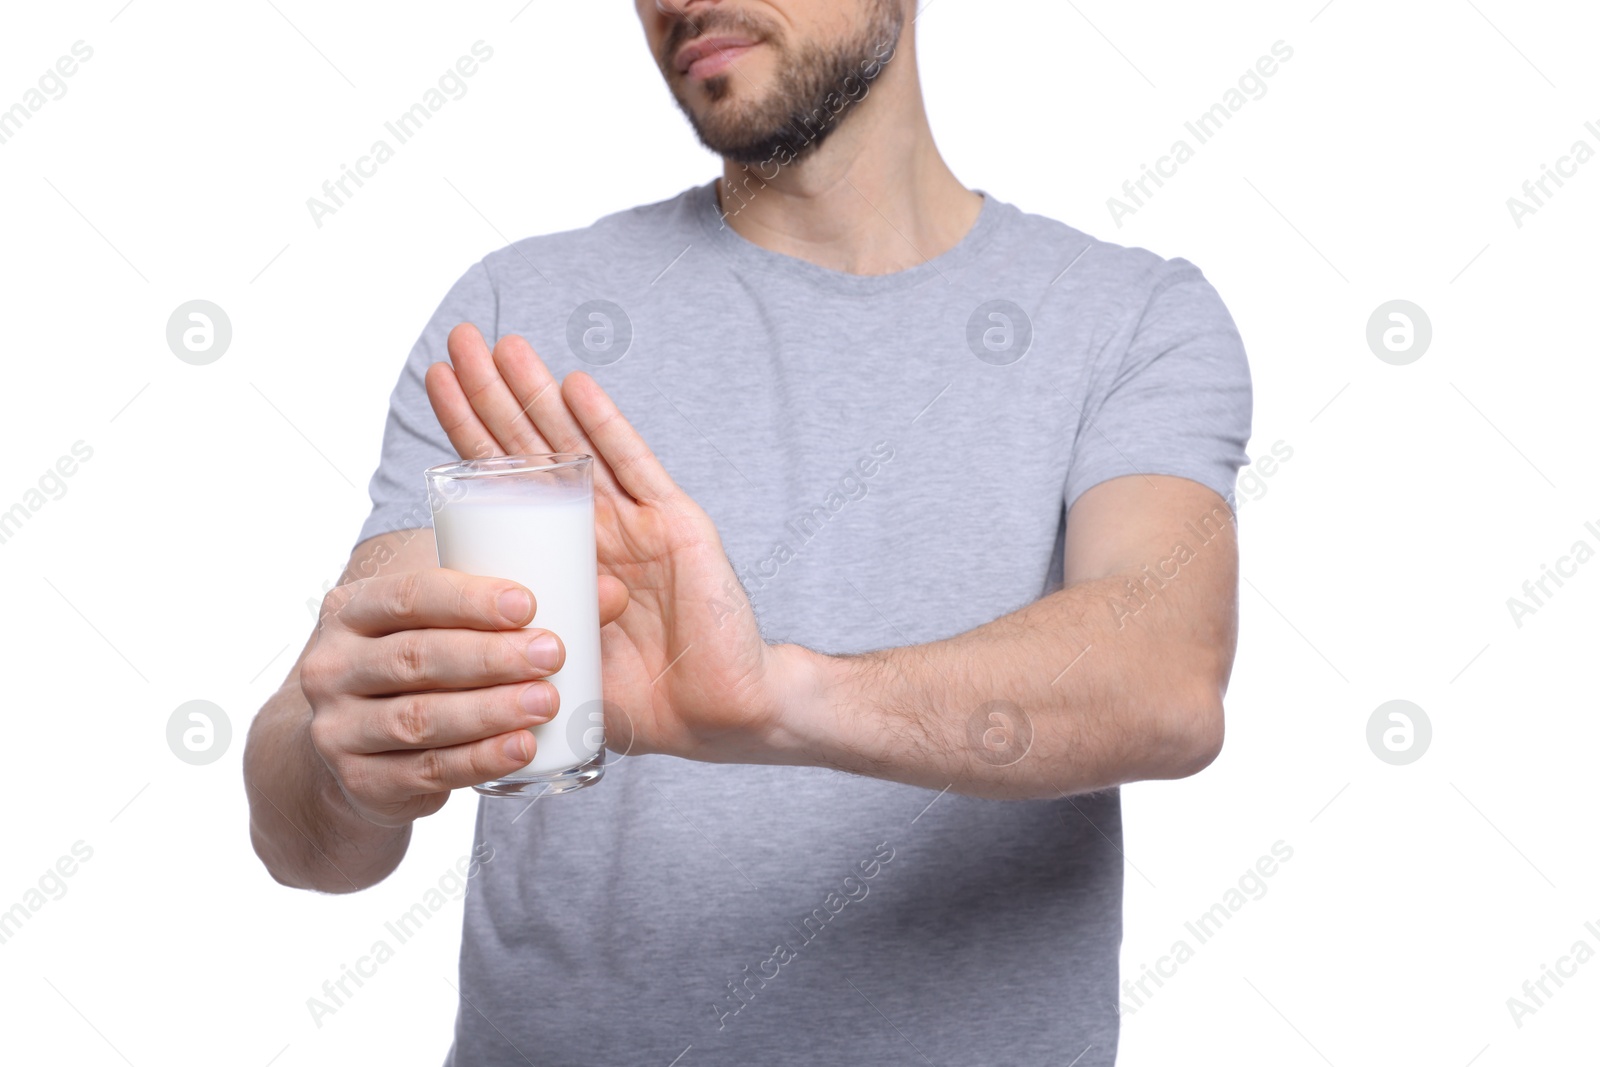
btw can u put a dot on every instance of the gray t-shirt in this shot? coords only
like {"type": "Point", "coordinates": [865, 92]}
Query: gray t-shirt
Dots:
{"type": "Point", "coordinates": [888, 460]}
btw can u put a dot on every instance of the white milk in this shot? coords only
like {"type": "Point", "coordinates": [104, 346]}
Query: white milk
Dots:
{"type": "Point", "coordinates": [547, 545]}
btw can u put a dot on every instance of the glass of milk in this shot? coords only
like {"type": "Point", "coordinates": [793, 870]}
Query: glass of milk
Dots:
{"type": "Point", "coordinates": [531, 519]}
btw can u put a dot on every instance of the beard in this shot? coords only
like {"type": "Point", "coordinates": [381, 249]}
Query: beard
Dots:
{"type": "Point", "coordinates": [817, 84]}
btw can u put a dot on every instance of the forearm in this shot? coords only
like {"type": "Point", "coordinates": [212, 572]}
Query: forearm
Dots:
{"type": "Point", "coordinates": [1064, 696]}
{"type": "Point", "coordinates": [301, 824]}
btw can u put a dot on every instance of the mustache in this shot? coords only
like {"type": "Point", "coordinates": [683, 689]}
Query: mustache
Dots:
{"type": "Point", "coordinates": [717, 20]}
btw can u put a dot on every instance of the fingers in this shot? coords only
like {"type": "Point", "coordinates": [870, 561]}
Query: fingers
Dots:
{"type": "Point", "coordinates": [429, 598]}
{"type": "Point", "coordinates": [396, 777]}
{"type": "Point", "coordinates": [613, 599]}
{"type": "Point", "coordinates": [531, 380]}
{"type": "Point", "coordinates": [421, 660]}
{"type": "Point", "coordinates": [471, 438]}
{"type": "Point", "coordinates": [630, 460]}
{"type": "Point", "coordinates": [443, 720]}
{"type": "Point", "coordinates": [502, 411]}
{"type": "Point", "coordinates": [492, 403]}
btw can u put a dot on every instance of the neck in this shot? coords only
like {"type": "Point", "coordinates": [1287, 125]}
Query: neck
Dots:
{"type": "Point", "coordinates": [874, 198]}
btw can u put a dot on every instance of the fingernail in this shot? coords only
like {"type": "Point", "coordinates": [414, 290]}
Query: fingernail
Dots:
{"type": "Point", "coordinates": [535, 700]}
{"type": "Point", "coordinates": [544, 652]}
{"type": "Point", "coordinates": [516, 748]}
{"type": "Point", "coordinates": [515, 605]}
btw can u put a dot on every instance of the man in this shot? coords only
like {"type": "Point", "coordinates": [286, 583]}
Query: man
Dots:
{"type": "Point", "coordinates": [914, 544]}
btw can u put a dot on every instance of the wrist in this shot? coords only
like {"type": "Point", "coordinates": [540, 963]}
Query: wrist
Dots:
{"type": "Point", "coordinates": [808, 728]}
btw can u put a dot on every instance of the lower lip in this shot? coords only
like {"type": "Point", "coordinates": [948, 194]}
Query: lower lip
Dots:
{"type": "Point", "coordinates": [716, 62]}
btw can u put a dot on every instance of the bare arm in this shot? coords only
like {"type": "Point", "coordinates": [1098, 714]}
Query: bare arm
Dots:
{"type": "Point", "coordinates": [301, 824]}
{"type": "Point", "coordinates": [1115, 678]}
{"type": "Point", "coordinates": [416, 681]}
{"type": "Point", "coordinates": [1084, 689]}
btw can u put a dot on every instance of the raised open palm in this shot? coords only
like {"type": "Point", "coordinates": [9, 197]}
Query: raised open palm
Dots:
{"type": "Point", "coordinates": [686, 670]}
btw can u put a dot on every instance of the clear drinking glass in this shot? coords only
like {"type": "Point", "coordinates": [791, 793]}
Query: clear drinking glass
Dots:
{"type": "Point", "coordinates": [531, 519]}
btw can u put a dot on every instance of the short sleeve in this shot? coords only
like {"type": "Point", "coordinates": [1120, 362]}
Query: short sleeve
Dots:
{"type": "Point", "coordinates": [413, 440]}
{"type": "Point", "coordinates": [1177, 401]}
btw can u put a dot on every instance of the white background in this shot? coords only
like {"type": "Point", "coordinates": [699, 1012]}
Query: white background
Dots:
{"type": "Point", "coordinates": [1378, 562]}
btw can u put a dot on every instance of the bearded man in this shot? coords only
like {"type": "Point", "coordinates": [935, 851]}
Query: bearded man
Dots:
{"type": "Point", "coordinates": [915, 534]}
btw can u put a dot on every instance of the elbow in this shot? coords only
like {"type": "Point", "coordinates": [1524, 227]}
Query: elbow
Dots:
{"type": "Point", "coordinates": [1190, 730]}
{"type": "Point", "coordinates": [271, 849]}
{"type": "Point", "coordinates": [268, 853]}
{"type": "Point", "coordinates": [293, 872]}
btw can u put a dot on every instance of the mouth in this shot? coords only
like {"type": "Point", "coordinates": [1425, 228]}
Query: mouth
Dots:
{"type": "Point", "coordinates": [706, 56]}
